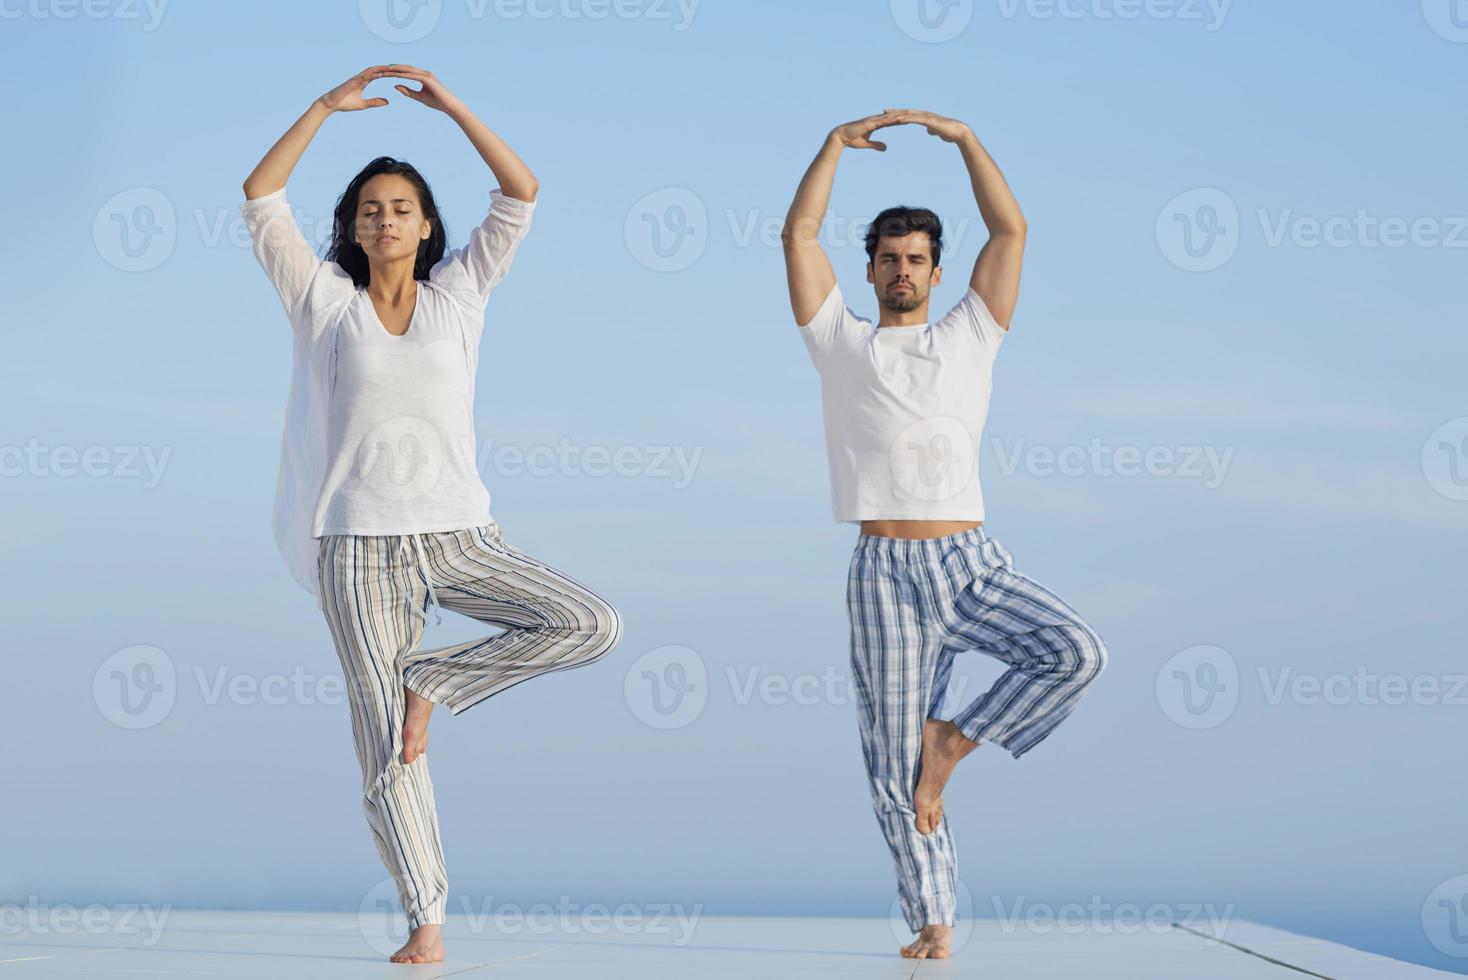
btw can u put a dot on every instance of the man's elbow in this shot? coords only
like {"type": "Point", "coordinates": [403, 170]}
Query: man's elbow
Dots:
{"type": "Point", "coordinates": [1016, 227]}
{"type": "Point", "coordinates": [800, 231]}
{"type": "Point", "coordinates": [789, 244]}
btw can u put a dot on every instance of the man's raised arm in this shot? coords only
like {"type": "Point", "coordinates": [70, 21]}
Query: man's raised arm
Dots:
{"type": "Point", "coordinates": [996, 271]}
{"type": "Point", "coordinates": [807, 268]}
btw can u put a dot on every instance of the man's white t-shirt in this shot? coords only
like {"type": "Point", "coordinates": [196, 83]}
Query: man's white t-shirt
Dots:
{"type": "Point", "coordinates": [379, 429]}
{"type": "Point", "coordinates": [904, 410]}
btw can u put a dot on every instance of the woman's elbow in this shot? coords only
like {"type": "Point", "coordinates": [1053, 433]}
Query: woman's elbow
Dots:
{"type": "Point", "coordinates": [526, 192]}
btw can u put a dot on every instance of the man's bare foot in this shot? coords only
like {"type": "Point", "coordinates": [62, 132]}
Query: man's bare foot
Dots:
{"type": "Point", "coordinates": [931, 944]}
{"type": "Point", "coordinates": [423, 946]}
{"type": "Point", "coordinates": [416, 710]}
{"type": "Point", "coordinates": [943, 746]}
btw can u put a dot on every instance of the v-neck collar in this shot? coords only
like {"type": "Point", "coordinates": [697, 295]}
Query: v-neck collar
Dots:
{"type": "Point", "coordinates": [412, 317]}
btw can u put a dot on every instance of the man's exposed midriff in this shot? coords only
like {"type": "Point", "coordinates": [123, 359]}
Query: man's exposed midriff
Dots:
{"type": "Point", "coordinates": [916, 529]}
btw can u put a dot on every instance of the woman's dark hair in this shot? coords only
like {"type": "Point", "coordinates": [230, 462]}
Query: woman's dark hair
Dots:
{"type": "Point", "coordinates": [349, 255]}
{"type": "Point", "coordinates": [899, 221]}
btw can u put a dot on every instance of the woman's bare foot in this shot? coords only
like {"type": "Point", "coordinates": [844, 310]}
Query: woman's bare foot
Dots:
{"type": "Point", "coordinates": [423, 946]}
{"type": "Point", "coordinates": [943, 746]}
{"type": "Point", "coordinates": [416, 710]}
{"type": "Point", "coordinates": [931, 944]}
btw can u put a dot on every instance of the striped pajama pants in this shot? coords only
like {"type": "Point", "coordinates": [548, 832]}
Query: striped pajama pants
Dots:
{"type": "Point", "coordinates": [375, 591]}
{"type": "Point", "coordinates": [914, 605]}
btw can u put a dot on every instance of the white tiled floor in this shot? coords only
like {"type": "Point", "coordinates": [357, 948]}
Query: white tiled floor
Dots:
{"type": "Point", "coordinates": [285, 946]}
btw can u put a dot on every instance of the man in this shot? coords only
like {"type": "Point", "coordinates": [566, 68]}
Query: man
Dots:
{"type": "Point", "coordinates": [904, 405]}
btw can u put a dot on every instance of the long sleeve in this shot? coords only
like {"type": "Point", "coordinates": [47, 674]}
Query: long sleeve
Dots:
{"type": "Point", "coordinates": [304, 282]}
{"type": "Point", "coordinates": [474, 269]}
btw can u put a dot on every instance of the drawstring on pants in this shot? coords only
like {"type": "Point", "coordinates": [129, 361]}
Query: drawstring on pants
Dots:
{"type": "Point", "coordinates": [427, 577]}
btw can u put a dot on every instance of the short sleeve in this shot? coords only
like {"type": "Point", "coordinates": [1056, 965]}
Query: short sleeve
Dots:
{"type": "Point", "coordinates": [972, 315]}
{"type": "Point", "coordinates": [474, 269]}
{"type": "Point", "coordinates": [826, 327]}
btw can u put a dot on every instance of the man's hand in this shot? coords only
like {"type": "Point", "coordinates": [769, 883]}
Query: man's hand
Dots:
{"type": "Point", "coordinates": [854, 134]}
{"type": "Point", "coordinates": [948, 130]}
{"type": "Point", "coordinates": [996, 272]}
{"type": "Point", "coordinates": [807, 268]}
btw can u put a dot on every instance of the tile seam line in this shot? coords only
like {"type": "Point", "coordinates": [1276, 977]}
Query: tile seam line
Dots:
{"type": "Point", "coordinates": [1251, 952]}
{"type": "Point", "coordinates": [492, 963]}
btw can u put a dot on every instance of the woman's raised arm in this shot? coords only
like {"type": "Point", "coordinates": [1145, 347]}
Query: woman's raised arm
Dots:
{"type": "Point", "coordinates": [515, 179]}
{"type": "Point", "coordinates": [271, 173]}
{"type": "Point", "coordinates": [302, 280]}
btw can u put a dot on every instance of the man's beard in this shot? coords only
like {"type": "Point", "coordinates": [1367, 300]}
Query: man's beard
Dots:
{"type": "Point", "coordinates": [902, 302]}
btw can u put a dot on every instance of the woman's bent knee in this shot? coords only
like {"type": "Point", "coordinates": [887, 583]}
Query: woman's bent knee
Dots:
{"type": "Point", "coordinates": [601, 634]}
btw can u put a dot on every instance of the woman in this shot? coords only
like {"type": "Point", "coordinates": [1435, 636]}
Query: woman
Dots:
{"type": "Point", "coordinates": [378, 482]}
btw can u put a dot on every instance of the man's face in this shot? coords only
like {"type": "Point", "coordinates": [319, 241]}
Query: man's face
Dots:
{"type": "Point", "coordinates": [902, 271]}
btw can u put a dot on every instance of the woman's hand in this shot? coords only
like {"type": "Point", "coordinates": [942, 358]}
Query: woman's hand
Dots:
{"type": "Point", "coordinates": [347, 97]}
{"type": "Point", "coordinates": [431, 92]}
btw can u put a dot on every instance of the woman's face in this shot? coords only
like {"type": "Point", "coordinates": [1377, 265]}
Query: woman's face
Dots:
{"type": "Point", "coordinates": [389, 222]}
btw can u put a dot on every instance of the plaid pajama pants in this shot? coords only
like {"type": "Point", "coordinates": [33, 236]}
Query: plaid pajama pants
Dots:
{"type": "Point", "coordinates": [914, 605]}
{"type": "Point", "coordinates": [375, 591]}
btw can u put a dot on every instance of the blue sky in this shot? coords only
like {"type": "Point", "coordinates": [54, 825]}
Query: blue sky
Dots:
{"type": "Point", "coordinates": [1245, 265]}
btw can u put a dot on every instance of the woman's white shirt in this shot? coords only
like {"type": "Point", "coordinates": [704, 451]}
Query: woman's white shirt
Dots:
{"type": "Point", "coordinates": [379, 429]}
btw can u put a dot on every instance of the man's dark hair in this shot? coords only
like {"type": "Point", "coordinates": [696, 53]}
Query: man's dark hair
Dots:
{"type": "Point", "coordinates": [899, 221]}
